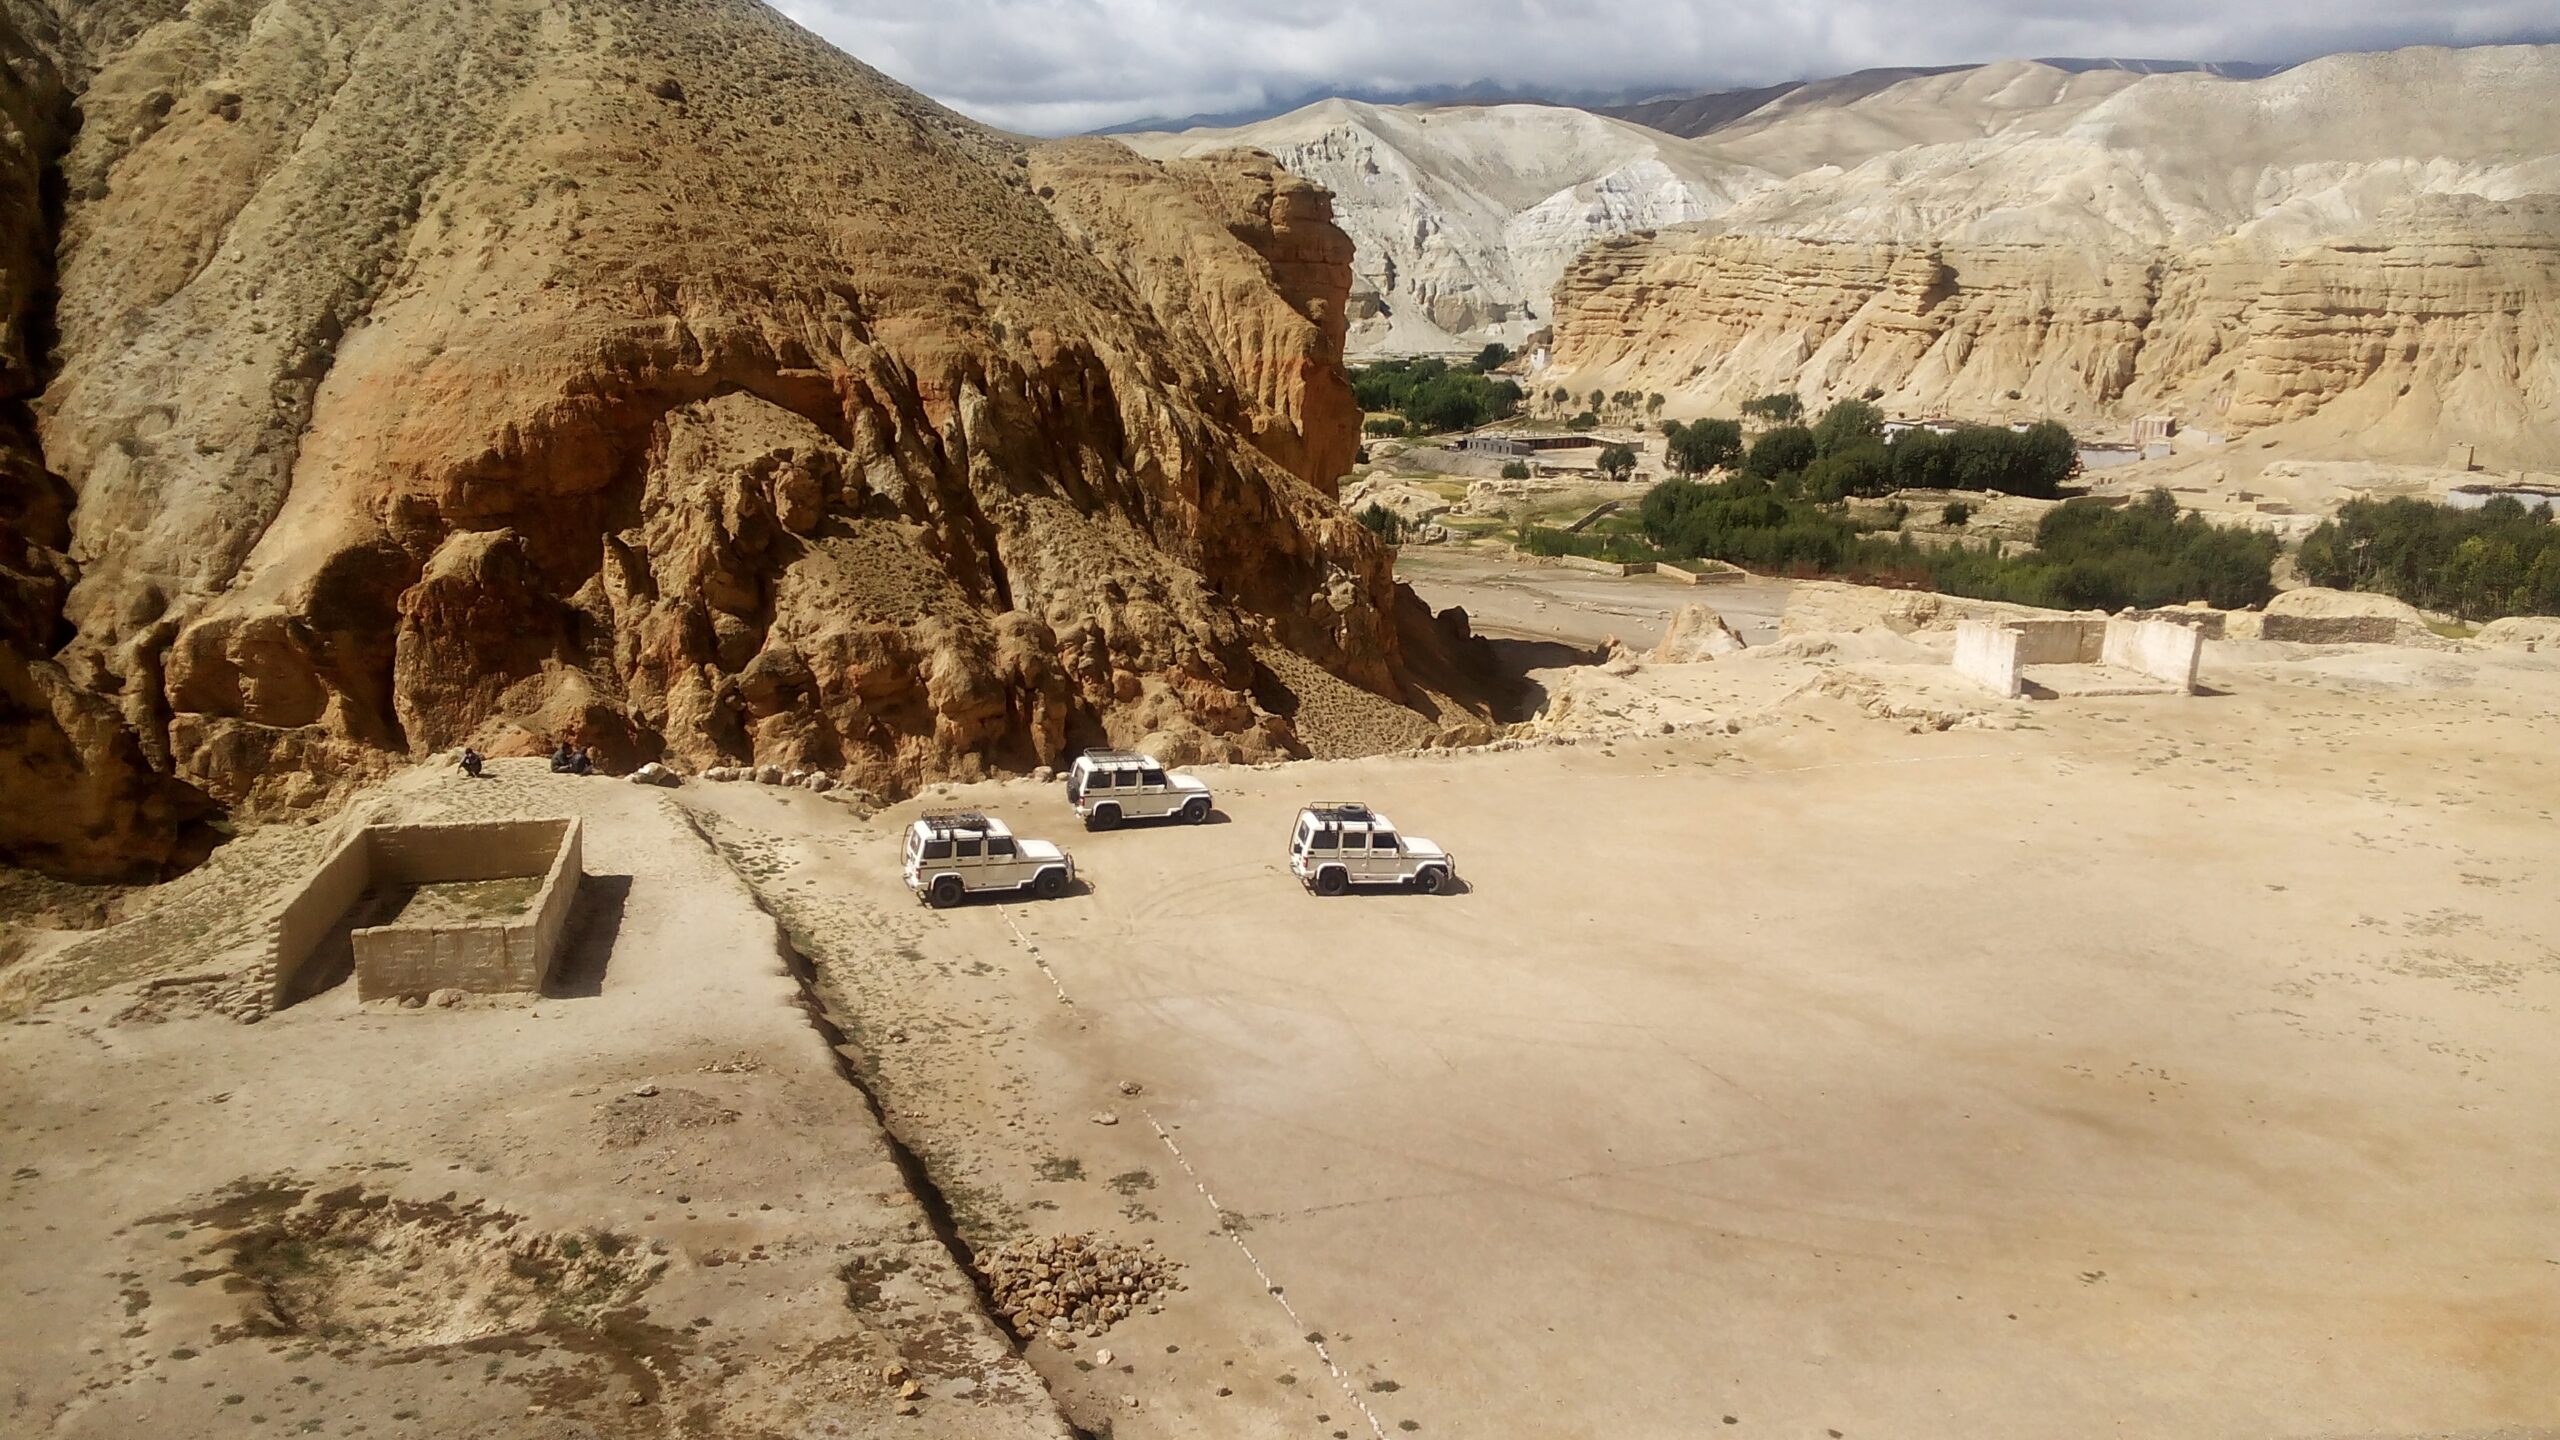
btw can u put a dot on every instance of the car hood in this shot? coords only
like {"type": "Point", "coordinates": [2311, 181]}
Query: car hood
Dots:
{"type": "Point", "coordinates": [1189, 784]}
{"type": "Point", "coordinates": [1424, 849]}
{"type": "Point", "coordinates": [1039, 850]}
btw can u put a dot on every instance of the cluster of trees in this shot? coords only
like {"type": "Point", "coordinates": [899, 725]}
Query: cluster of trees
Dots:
{"type": "Point", "coordinates": [2501, 559]}
{"type": "Point", "coordinates": [1431, 397]}
{"type": "Point", "coordinates": [2085, 557]}
{"type": "Point", "coordinates": [1382, 522]}
{"type": "Point", "coordinates": [1844, 453]}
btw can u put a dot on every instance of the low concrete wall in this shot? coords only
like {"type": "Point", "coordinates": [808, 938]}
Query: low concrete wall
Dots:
{"type": "Point", "coordinates": [2211, 624]}
{"type": "Point", "coordinates": [2332, 629]}
{"type": "Point", "coordinates": [308, 918]}
{"type": "Point", "coordinates": [2072, 641]}
{"type": "Point", "coordinates": [513, 954]}
{"type": "Point", "coordinates": [1604, 567]}
{"type": "Point", "coordinates": [2160, 649]}
{"type": "Point", "coordinates": [1987, 654]}
{"type": "Point", "coordinates": [498, 957]}
{"type": "Point", "coordinates": [1721, 575]}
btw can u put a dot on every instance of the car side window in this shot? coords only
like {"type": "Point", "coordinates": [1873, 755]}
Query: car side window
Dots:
{"type": "Point", "coordinates": [937, 849]}
{"type": "Point", "coordinates": [1000, 846]}
{"type": "Point", "coordinates": [969, 849]}
{"type": "Point", "coordinates": [1383, 840]}
{"type": "Point", "coordinates": [1355, 841]}
{"type": "Point", "coordinates": [1326, 840]}
{"type": "Point", "coordinates": [1151, 777]}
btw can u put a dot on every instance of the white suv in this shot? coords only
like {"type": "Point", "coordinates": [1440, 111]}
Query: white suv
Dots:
{"type": "Point", "coordinates": [1109, 786]}
{"type": "Point", "coordinates": [952, 856]}
{"type": "Point", "coordinates": [1339, 844]}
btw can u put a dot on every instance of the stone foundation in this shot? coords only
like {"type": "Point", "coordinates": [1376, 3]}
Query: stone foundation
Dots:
{"type": "Point", "coordinates": [502, 955]}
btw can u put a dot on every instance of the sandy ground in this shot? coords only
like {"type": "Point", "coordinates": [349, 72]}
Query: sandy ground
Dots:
{"type": "Point", "coordinates": [1858, 1056]}
{"type": "Point", "coordinates": [1505, 598]}
{"type": "Point", "coordinates": [645, 1205]}
{"type": "Point", "coordinates": [2173, 1066]}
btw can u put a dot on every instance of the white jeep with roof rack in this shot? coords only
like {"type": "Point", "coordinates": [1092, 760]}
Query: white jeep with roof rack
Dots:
{"type": "Point", "coordinates": [1109, 786]}
{"type": "Point", "coordinates": [950, 857]}
{"type": "Point", "coordinates": [1339, 844]}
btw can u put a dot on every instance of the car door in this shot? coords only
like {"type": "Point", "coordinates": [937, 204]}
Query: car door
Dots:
{"type": "Point", "coordinates": [1386, 856]}
{"type": "Point", "coordinates": [1152, 782]}
{"type": "Point", "coordinates": [1004, 861]}
{"type": "Point", "coordinates": [969, 856]}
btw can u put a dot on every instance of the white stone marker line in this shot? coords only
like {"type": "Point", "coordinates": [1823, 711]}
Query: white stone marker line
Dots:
{"type": "Point", "coordinates": [1038, 959]}
{"type": "Point", "coordinates": [1349, 1387]}
{"type": "Point", "coordinates": [1313, 1337]}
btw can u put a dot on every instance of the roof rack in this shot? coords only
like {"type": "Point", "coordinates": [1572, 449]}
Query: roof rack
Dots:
{"type": "Point", "coordinates": [1341, 810]}
{"type": "Point", "coordinates": [958, 820]}
{"type": "Point", "coordinates": [1131, 757]}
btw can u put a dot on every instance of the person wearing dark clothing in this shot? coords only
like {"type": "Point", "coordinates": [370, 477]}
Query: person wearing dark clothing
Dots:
{"type": "Point", "coordinates": [470, 762]}
{"type": "Point", "coordinates": [585, 764]}
{"type": "Point", "coordinates": [563, 760]}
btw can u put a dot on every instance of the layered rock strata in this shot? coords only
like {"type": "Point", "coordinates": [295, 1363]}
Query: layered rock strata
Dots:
{"type": "Point", "coordinates": [648, 373]}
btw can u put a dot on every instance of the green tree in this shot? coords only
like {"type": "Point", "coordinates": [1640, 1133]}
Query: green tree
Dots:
{"type": "Point", "coordinates": [1956, 513]}
{"type": "Point", "coordinates": [1492, 357]}
{"type": "Point", "coordinates": [1781, 451]}
{"type": "Point", "coordinates": [1382, 522]}
{"type": "Point", "coordinates": [1848, 425]}
{"type": "Point", "coordinates": [1782, 408]}
{"type": "Point", "coordinates": [1617, 461]}
{"type": "Point", "coordinates": [1584, 421]}
{"type": "Point", "coordinates": [1860, 470]}
{"type": "Point", "coordinates": [1515, 469]}
{"type": "Point", "coordinates": [1703, 445]}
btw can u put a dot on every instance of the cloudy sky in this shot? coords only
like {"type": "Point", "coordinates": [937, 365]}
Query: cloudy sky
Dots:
{"type": "Point", "coordinates": [1061, 66]}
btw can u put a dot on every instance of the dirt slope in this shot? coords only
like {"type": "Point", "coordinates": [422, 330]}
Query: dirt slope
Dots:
{"type": "Point", "coordinates": [484, 369]}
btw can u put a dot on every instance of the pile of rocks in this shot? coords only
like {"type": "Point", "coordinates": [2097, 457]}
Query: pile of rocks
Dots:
{"type": "Point", "coordinates": [1064, 1284]}
{"type": "Point", "coordinates": [813, 780]}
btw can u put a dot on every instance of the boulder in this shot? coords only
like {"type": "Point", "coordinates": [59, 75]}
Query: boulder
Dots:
{"type": "Point", "coordinates": [1696, 633]}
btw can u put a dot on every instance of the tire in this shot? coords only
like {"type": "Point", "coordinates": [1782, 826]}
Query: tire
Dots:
{"type": "Point", "coordinates": [947, 891]}
{"type": "Point", "coordinates": [1429, 879]}
{"type": "Point", "coordinates": [1049, 884]}
{"type": "Point", "coordinates": [1332, 880]}
{"type": "Point", "coordinates": [1195, 811]}
{"type": "Point", "coordinates": [1104, 817]}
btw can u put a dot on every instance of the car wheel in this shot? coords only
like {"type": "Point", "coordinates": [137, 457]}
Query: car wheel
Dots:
{"type": "Point", "coordinates": [1049, 884]}
{"type": "Point", "coordinates": [1104, 817]}
{"type": "Point", "coordinates": [1195, 812]}
{"type": "Point", "coordinates": [1429, 879]}
{"type": "Point", "coordinates": [1332, 880]}
{"type": "Point", "coordinates": [947, 892]}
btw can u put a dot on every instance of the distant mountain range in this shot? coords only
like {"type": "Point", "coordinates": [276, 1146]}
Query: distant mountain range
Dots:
{"type": "Point", "coordinates": [1685, 113]}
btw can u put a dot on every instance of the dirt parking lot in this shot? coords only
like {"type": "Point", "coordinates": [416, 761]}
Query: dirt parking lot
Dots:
{"type": "Point", "coordinates": [2161, 1067]}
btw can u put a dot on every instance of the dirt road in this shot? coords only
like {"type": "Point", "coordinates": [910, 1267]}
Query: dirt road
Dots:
{"type": "Point", "coordinates": [1505, 598]}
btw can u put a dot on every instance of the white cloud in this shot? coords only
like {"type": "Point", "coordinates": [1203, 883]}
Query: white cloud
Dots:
{"type": "Point", "coordinates": [1058, 66]}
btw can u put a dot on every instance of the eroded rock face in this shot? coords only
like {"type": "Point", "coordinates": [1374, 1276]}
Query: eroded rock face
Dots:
{"type": "Point", "coordinates": [2443, 321]}
{"type": "Point", "coordinates": [649, 373]}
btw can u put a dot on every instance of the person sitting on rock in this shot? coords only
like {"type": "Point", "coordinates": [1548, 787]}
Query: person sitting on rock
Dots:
{"type": "Point", "coordinates": [564, 759]}
{"type": "Point", "coordinates": [585, 764]}
{"type": "Point", "coordinates": [470, 762]}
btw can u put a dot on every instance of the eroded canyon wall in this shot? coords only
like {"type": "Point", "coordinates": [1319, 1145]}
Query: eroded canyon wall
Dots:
{"type": "Point", "coordinates": [651, 373]}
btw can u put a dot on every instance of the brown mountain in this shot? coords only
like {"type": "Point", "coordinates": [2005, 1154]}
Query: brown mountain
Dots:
{"type": "Point", "coordinates": [377, 378]}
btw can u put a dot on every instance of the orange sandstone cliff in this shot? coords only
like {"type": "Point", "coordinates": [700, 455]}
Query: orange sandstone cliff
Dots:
{"type": "Point", "coordinates": [380, 378]}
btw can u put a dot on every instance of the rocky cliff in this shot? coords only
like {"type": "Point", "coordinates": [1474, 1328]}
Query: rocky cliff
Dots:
{"type": "Point", "coordinates": [644, 371]}
{"type": "Point", "coordinates": [1465, 215]}
{"type": "Point", "coordinates": [2362, 251]}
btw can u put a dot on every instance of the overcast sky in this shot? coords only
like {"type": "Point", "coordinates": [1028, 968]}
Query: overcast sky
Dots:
{"type": "Point", "coordinates": [1062, 66]}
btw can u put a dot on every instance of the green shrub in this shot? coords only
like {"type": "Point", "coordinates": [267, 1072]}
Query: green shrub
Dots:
{"type": "Point", "coordinates": [1491, 357]}
{"type": "Point", "coordinates": [1382, 522]}
{"type": "Point", "coordinates": [1383, 425]}
{"type": "Point", "coordinates": [1584, 421]}
{"type": "Point", "coordinates": [1956, 513]}
{"type": "Point", "coordinates": [1433, 398]}
{"type": "Point", "coordinates": [1617, 461]}
{"type": "Point", "coordinates": [1515, 469]}
{"type": "Point", "coordinates": [1779, 409]}
{"type": "Point", "coordinates": [2501, 559]}
{"type": "Point", "coordinates": [1783, 450]}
